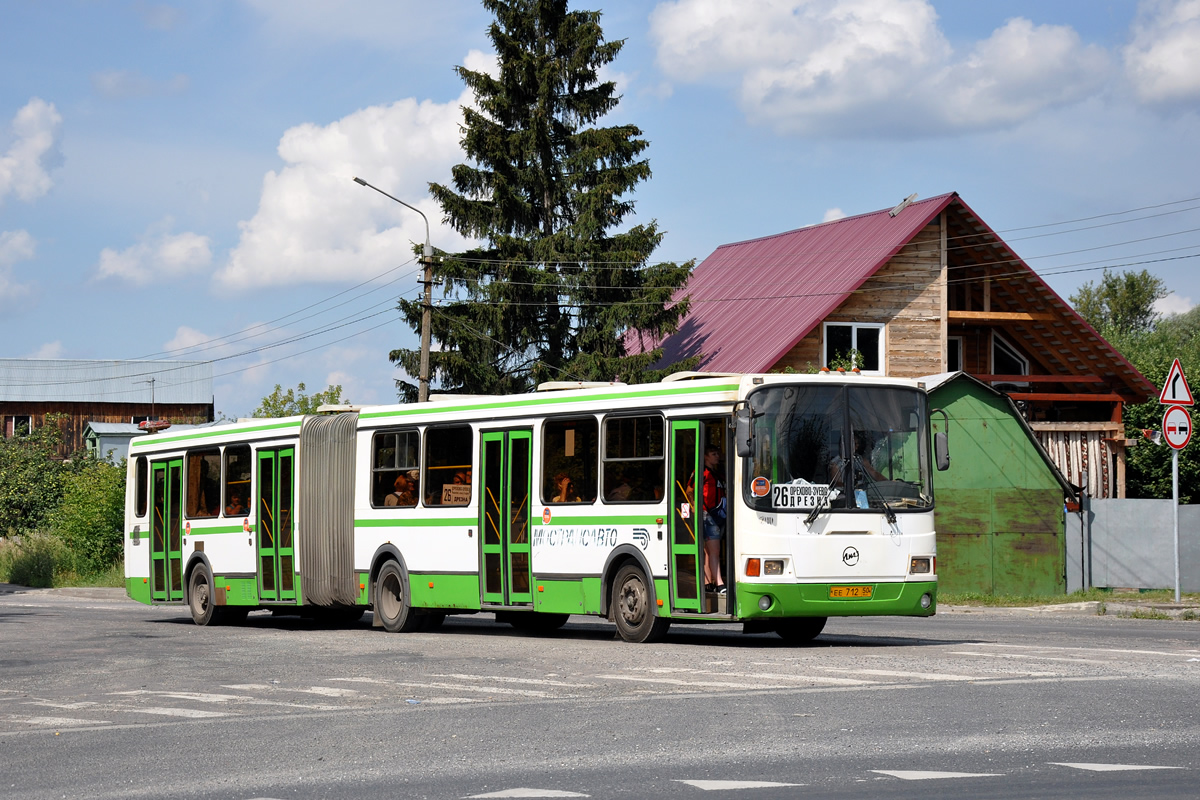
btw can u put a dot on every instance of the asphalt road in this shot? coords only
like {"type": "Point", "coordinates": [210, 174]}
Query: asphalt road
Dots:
{"type": "Point", "coordinates": [101, 697]}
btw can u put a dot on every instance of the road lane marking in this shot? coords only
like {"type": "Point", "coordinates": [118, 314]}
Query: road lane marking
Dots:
{"type": "Point", "coordinates": [1030, 655]}
{"type": "Point", "coordinates": [524, 792]}
{"type": "Point", "coordinates": [1107, 767]}
{"type": "Point", "coordinates": [927, 775]}
{"type": "Point", "coordinates": [200, 697]}
{"type": "Point", "coordinates": [1116, 650]}
{"type": "Point", "coordinates": [62, 722]}
{"type": "Point", "coordinates": [458, 687]}
{"type": "Point", "coordinates": [717, 786]}
{"type": "Point", "coordinates": [190, 713]}
{"type": "Point", "coordinates": [893, 673]}
{"type": "Point", "coordinates": [693, 684]}
{"type": "Point", "coordinates": [328, 691]}
{"type": "Point", "coordinates": [506, 679]}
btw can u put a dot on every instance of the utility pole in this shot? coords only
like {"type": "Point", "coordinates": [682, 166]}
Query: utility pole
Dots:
{"type": "Point", "coordinates": [427, 304]}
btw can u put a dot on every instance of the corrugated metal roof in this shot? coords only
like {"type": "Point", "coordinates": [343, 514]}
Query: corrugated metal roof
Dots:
{"type": "Point", "coordinates": [753, 301]}
{"type": "Point", "coordinates": [78, 381]}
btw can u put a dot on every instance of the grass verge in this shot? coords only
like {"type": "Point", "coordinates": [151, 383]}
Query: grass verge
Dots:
{"type": "Point", "coordinates": [42, 561]}
{"type": "Point", "coordinates": [1098, 595]}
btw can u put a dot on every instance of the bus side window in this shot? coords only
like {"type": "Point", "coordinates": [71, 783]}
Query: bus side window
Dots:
{"type": "Point", "coordinates": [141, 487]}
{"type": "Point", "coordinates": [237, 480]}
{"type": "Point", "coordinates": [569, 459]}
{"type": "Point", "coordinates": [448, 466]}
{"type": "Point", "coordinates": [394, 468]}
{"type": "Point", "coordinates": [203, 483]}
{"type": "Point", "coordinates": [633, 459]}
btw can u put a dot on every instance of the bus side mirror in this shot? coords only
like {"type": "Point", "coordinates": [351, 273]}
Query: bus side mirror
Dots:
{"type": "Point", "coordinates": [941, 451]}
{"type": "Point", "coordinates": [743, 433]}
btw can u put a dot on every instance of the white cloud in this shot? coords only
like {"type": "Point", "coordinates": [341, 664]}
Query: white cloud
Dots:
{"type": "Point", "coordinates": [1174, 304]}
{"type": "Point", "coordinates": [48, 350]}
{"type": "Point", "coordinates": [1162, 61]}
{"type": "Point", "coordinates": [123, 84]}
{"type": "Point", "coordinates": [832, 214]}
{"type": "Point", "coordinates": [15, 246]}
{"type": "Point", "coordinates": [314, 224]}
{"type": "Point", "coordinates": [23, 168]}
{"type": "Point", "coordinates": [159, 255]}
{"type": "Point", "coordinates": [159, 17]}
{"type": "Point", "coordinates": [872, 67]}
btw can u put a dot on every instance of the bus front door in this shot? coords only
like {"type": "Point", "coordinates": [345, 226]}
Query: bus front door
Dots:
{"type": "Point", "coordinates": [504, 517]}
{"type": "Point", "coordinates": [166, 520]}
{"type": "Point", "coordinates": [276, 526]}
{"type": "Point", "coordinates": [687, 543]}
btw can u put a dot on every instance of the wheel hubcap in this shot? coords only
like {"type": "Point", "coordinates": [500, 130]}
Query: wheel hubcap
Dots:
{"type": "Point", "coordinates": [633, 601]}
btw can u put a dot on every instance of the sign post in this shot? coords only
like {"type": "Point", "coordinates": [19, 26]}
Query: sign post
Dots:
{"type": "Point", "coordinates": [1177, 431]}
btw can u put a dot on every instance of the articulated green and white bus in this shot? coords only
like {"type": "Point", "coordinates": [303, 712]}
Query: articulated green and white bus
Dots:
{"type": "Point", "coordinates": [575, 499]}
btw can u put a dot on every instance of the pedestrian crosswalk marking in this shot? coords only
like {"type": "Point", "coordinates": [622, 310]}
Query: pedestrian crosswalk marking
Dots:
{"type": "Point", "coordinates": [1107, 767]}
{"type": "Point", "coordinates": [530, 793]}
{"type": "Point", "coordinates": [715, 786]}
{"type": "Point", "coordinates": [925, 775]}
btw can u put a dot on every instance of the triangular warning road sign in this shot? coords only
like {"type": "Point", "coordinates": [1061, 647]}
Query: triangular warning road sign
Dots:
{"type": "Point", "coordinates": [1175, 391]}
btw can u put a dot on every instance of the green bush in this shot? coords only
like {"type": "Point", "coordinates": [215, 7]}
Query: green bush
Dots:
{"type": "Point", "coordinates": [37, 559]}
{"type": "Point", "coordinates": [90, 519]}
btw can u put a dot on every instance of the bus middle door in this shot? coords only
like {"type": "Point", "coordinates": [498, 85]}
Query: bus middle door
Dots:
{"type": "Point", "coordinates": [504, 511]}
{"type": "Point", "coordinates": [687, 532]}
{"type": "Point", "coordinates": [276, 526]}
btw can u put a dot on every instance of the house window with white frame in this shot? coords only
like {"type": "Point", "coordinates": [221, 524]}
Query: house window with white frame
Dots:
{"type": "Point", "coordinates": [1007, 360]}
{"type": "Point", "coordinates": [865, 338]}
{"type": "Point", "coordinates": [17, 425]}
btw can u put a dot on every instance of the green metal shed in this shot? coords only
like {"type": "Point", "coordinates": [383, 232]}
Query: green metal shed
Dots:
{"type": "Point", "coordinates": [999, 512]}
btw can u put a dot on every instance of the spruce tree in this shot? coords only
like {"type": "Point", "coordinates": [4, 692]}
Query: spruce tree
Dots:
{"type": "Point", "coordinates": [553, 290]}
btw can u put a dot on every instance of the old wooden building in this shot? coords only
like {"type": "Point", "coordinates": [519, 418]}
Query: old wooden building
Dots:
{"type": "Point", "coordinates": [32, 389]}
{"type": "Point", "coordinates": [925, 287]}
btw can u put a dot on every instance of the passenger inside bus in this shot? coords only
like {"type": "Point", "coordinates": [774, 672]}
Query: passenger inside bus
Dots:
{"type": "Point", "coordinates": [402, 492]}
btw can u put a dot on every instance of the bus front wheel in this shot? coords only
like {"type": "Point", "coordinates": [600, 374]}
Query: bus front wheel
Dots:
{"type": "Point", "coordinates": [200, 597]}
{"type": "Point", "coordinates": [392, 604]}
{"type": "Point", "coordinates": [800, 630]}
{"type": "Point", "coordinates": [632, 609]}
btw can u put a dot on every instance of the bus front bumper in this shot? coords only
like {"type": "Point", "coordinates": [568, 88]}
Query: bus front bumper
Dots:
{"type": "Point", "coordinates": [780, 600]}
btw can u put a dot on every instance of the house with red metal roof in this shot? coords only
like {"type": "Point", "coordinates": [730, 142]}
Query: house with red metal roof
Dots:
{"type": "Point", "coordinates": [922, 288]}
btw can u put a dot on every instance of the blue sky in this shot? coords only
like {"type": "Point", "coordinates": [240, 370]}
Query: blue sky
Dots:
{"type": "Point", "coordinates": [175, 178]}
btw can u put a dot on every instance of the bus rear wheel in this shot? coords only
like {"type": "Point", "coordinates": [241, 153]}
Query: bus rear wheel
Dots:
{"type": "Point", "coordinates": [392, 604]}
{"type": "Point", "coordinates": [800, 630]}
{"type": "Point", "coordinates": [632, 609]}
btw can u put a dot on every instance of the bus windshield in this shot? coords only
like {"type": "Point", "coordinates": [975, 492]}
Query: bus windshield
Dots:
{"type": "Point", "coordinates": [844, 448]}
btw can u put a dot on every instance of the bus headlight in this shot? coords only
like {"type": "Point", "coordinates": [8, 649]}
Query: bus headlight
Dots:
{"type": "Point", "coordinates": [765, 602]}
{"type": "Point", "coordinates": [920, 565]}
{"type": "Point", "coordinates": [773, 566]}
{"type": "Point", "coordinates": [926, 600]}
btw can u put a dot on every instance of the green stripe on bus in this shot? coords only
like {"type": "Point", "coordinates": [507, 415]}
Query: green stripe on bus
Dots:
{"type": "Point", "coordinates": [138, 589]}
{"type": "Point", "coordinates": [208, 434]}
{"type": "Point", "coordinates": [534, 402]}
{"type": "Point", "coordinates": [601, 520]}
{"type": "Point", "coordinates": [422, 522]}
{"type": "Point", "coordinates": [444, 591]}
{"type": "Point", "coordinates": [217, 529]}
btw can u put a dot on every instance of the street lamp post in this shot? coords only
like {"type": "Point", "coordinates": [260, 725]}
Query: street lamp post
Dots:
{"type": "Point", "coordinates": [427, 306]}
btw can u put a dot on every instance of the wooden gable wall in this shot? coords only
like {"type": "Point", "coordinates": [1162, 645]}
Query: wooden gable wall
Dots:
{"type": "Point", "coordinates": [906, 296]}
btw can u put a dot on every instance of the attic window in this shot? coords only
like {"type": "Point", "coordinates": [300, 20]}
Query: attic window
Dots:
{"type": "Point", "coordinates": [1007, 360]}
{"type": "Point", "coordinates": [843, 337]}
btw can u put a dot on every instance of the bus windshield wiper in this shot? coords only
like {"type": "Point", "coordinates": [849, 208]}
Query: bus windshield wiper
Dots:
{"type": "Point", "coordinates": [870, 482]}
{"type": "Point", "coordinates": [816, 512]}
